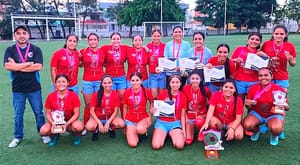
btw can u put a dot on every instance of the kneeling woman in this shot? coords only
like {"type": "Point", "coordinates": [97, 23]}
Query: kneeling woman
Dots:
{"type": "Point", "coordinates": [62, 101]}
{"type": "Point", "coordinates": [260, 102]}
{"type": "Point", "coordinates": [226, 111]}
{"type": "Point", "coordinates": [136, 117]}
{"type": "Point", "coordinates": [174, 126]}
{"type": "Point", "coordinates": [104, 110]}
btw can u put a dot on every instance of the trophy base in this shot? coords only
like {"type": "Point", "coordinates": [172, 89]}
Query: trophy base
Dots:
{"type": "Point", "coordinates": [58, 129]}
{"type": "Point", "coordinates": [212, 154]}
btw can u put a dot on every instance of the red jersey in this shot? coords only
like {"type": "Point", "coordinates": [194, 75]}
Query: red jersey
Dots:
{"type": "Point", "coordinates": [264, 102]}
{"type": "Point", "coordinates": [107, 106]}
{"type": "Point", "coordinates": [241, 73]}
{"type": "Point", "coordinates": [67, 64]}
{"type": "Point", "coordinates": [156, 52]}
{"type": "Point", "coordinates": [197, 103]}
{"type": "Point", "coordinates": [92, 64]}
{"type": "Point", "coordinates": [280, 72]}
{"type": "Point", "coordinates": [66, 104]}
{"type": "Point", "coordinates": [180, 104]}
{"type": "Point", "coordinates": [224, 110]}
{"type": "Point", "coordinates": [137, 62]}
{"type": "Point", "coordinates": [114, 60]}
{"type": "Point", "coordinates": [136, 104]}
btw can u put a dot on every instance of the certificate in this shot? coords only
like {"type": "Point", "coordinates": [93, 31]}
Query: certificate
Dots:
{"type": "Point", "coordinates": [167, 64]}
{"type": "Point", "coordinates": [215, 74]}
{"type": "Point", "coordinates": [164, 108]}
{"type": "Point", "coordinates": [255, 62]}
{"type": "Point", "coordinates": [188, 63]}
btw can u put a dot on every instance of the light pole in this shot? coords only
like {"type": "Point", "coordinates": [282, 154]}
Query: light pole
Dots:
{"type": "Point", "coordinates": [75, 28]}
{"type": "Point", "coordinates": [225, 12]}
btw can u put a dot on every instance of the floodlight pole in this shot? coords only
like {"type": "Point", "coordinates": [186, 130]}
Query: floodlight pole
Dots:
{"type": "Point", "coordinates": [75, 28]}
{"type": "Point", "coordinates": [225, 12]}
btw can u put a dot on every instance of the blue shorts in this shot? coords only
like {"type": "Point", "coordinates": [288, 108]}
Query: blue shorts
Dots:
{"type": "Point", "coordinates": [103, 121]}
{"type": "Point", "coordinates": [119, 83]}
{"type": "Point", "coordinates": [145, 83]}
{"type": "Point", "coordinates": [157, 80]}
{"type": "Point", "coordinates": [213, 88]}
{"type": "Point", "coordinates": [167, 126]}
{"type": "Point", "coordinates": [130, 123]}
{"type": "Point", "coordinates": [89, 87]}
{"type": "Point", "coordinates": [73, 88]}
{"type": "Point", "coordinates": [243, 86]}
{"type": "Point", "coordinates": [265, 120]}
{"type": "Point", "coordinates": [192, 121]}
{"type": "Point", "coordinates": [282, 83]}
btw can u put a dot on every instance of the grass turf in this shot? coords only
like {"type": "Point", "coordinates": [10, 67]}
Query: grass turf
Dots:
{"type": "Point", "coordinates": [116, 151]}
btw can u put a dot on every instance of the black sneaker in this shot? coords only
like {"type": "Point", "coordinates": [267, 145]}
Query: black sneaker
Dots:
{"type": "Point", "coordinates": [112, 133]}
{"type": "Point", "coordinates": [95, 136]}
{"type": "Point", "coordinates": [143, 137]}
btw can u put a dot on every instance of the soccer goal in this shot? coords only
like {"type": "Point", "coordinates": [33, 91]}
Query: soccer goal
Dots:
{"type": "Point", "coordinates": [41, 26]}
{"type": "Point", "coordinates": [165, 28]}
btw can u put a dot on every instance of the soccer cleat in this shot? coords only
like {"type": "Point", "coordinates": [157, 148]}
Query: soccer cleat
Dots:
{"type": "Point", "coordinates": [255, 136]}
{"type": "Point", "coordinates": [112, 133]}
{"type": "Point", "coordinates": [53, 140]}
{"type": "Point", "coordinates": [143, 137]}
{"type": "Point", "coordinates": [95, 136]}
{"type": "Point", "coordinates": [14, 143]}
{"type": "Point", "coordinates": [263, 128]}
{"type": "Point", "coordinates": [84, 132]}
{"type": "Point", "coordinates": [76, 140]}
{"type": "Point", "coordinates": [282, 136]}
{"type": "Point", "coordinates": [274, 140]}
{"type": "Point", "coordinates": [46, 139]}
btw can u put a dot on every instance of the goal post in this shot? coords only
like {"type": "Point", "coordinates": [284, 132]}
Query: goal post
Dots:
{"type": "Point", "coordinates": [165, 28]}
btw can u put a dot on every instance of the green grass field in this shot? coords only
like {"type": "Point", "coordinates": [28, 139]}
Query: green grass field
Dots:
{"type": "Point", "coordinates": [116, 151]}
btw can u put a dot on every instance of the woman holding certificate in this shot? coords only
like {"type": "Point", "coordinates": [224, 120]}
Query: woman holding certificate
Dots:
{"type": "Point", "coordinates": [92, 59]}
{"type": "Point", "coordinates": [135, 114]}
{"type": "Point", "coordinates": [225, 112]}
{"type": "Point", "coordinates": [66, 61]}
{"type": "Point", "coordinates": [202, 53]}
{"type": "Point", "coordinates": [173, 125]}
{"type": "Point", "coordinates": [197, 97]}
{"type": "Point", "coordinates": [62, 112]}
{"type": "Point", "coordinates": [267, 104]}
{"type": "Point", "coordinates": [137, 59]}
{"type": "Point", "coordinates": [104, 110]}
{"type": "Point", "coordinates": [246, 77]}
{"type": "Point", "coordinates": [221, 59]}
{"type": "Point", "coordinates": [157, 80]}
{"type": "Point", "coordinates": [177, 48]}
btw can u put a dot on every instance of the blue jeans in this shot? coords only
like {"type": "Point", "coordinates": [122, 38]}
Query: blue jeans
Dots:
{"type": "Point", "coordinates": [19, 102]}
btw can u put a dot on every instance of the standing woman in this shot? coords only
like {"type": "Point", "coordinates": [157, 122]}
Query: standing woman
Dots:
{"type": "Point", "coordinates": [281, 53]}
{"type": "Point", "coordinates": [137, 59]}
{"type": "Point", "coordinates": [221, 59]}
{"type": "Point", "coordinates": [104, 110]}
{"type": "Point", "coordinates": [197, 97]}
{"type": "Point", "coordinates": [66, 102]}
{"type": "Point", "coordinates": [177, 48]}
{"type": "Point", "coordinates": [173, 126]}
{"type": "Point", "coordinates": [115, 58]}
{"type": "Point", "coordinates": [157, 81]}
{"type": "Point", "coordinates": [225, 112]}
{"type": "Point", "coordinates": [260, 102]}
{"type": "Point", "coordinates": [246, 77]}
{"type": "Point", "coordinates": [202, 53]}
{"type": "Point", "coordinates": [66, 61]}
{"type": "Point", "coordinates": [135, 114]}
{"type": "Point", "coordinates": [92, 59]}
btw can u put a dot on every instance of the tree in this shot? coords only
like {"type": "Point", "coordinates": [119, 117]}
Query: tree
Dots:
{"type": "Point", "coordinates": [88, 6]}
{"type": "Point", "coordinates": [292, 11]}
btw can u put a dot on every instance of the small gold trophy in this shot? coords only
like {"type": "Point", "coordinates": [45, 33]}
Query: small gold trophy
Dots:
{"type": "Point", "coordinates": [213, 143]}
{"type": "Point", "coordinates": [58, 120]}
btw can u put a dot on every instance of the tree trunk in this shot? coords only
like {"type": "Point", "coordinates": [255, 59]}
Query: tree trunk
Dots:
{"type": "Point", "coordinates": [83, 24]}
{"type": "Point", "coordinates": [298, 23]}
{"type": "Point", "coordinates": [130, 32]}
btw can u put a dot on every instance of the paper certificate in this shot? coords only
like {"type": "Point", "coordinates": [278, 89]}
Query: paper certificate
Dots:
{"type": "Point", "coordinates": [215, 74]}
{"type": "Point", "coordinates": [167, 64]}
{"type": "Point", "coordinates": [255, 62]}
{"type": "Point", "coordinates": [188, 63]}
{"type": "Point", "coordinates": [164, 108]}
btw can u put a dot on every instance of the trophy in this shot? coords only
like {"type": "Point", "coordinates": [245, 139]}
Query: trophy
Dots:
{"type": "Point", "coordinates": [213, 143]}
{"type": "Point", "coordinates": [279, 100]}
{"type": "Point", "coordinates": [58, 120]}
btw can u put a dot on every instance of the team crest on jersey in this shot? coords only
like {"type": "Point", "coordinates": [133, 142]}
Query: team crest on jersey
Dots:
{"type": "Point", "coordinates": [110, 52]}
{"type": "Point", "coordinates": [133, 54]}
{"type": "Point", "coordinates": [63, 57]}
{"type": "Point", "coordinates": [30, 54]}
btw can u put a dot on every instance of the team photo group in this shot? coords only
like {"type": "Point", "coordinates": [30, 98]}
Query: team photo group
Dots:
{"type": "Point", "coordinates": [179, 89]}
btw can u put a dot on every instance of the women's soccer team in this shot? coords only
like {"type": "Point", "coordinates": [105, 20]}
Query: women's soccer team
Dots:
{"type": "Point", "coordinates": [116, 99]}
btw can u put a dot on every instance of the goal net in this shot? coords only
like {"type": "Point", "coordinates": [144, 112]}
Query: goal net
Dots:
{"type": "Point", "coordinates": [165, 28]}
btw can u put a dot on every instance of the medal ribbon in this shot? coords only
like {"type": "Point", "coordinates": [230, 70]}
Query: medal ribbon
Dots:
{"type": "Point", "coordinates": [61, 104]}
{"type": "Point", "coordinates": [201, 54]}
{"type": "Point", "coordinates": [178, 50]}
{"type": "Point", "coordinates": [94, 58]}
{"type": "Point", "coordinates": [259, 93]}
{"type": "Point", "coordinates": [20, 53]}
{"type": "Point", "coordinates": [277, 51]}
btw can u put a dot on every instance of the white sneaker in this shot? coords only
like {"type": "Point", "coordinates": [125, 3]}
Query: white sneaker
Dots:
{"type": "Point", "coordinates": [14, 143]}
{"type": "Point", "coordinates": [84, 132]}
{"type": "Point", "coordinates": [46, 139]}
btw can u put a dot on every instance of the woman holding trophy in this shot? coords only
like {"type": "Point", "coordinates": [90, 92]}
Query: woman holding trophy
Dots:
{"type": "Point", "coordinates": [267, 104]}
{"type": "Point", "coordinates": [62, 112]}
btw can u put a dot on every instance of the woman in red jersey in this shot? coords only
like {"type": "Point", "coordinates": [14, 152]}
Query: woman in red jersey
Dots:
{"type": "Point", "coordinates": [66, 105]}
{"type": "Point", "coordinates": [66, 61]}
{"type": "Point", "coordinates": [136, 117]}
{"type": "Point", "coordinates": [225, 112]}
{"type": "Point", "coordinates": [104, 110]}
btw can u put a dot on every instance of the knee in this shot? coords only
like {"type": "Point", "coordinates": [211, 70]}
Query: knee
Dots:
{"type": "Point", "coordinates": [45, 129]}
{"type": "Point", "coordinates": [239, 136]}
{"type": "Point", "coordinates": [141, 129]}
{"type": "Point", "coordinates": [90, 127]}
{"type": "Point", "coordinates": [275, 129]}
{"type": "Point", "coordinates": [156, 145]}
{"type": "Point", "coordinates": [248, 125]}
{"type": "Point", "coordinates": [77, 126]}
{"type": "Point", "coordinates": [132, 144]}
{"type": "Point", "coordinates": [179, 145]}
